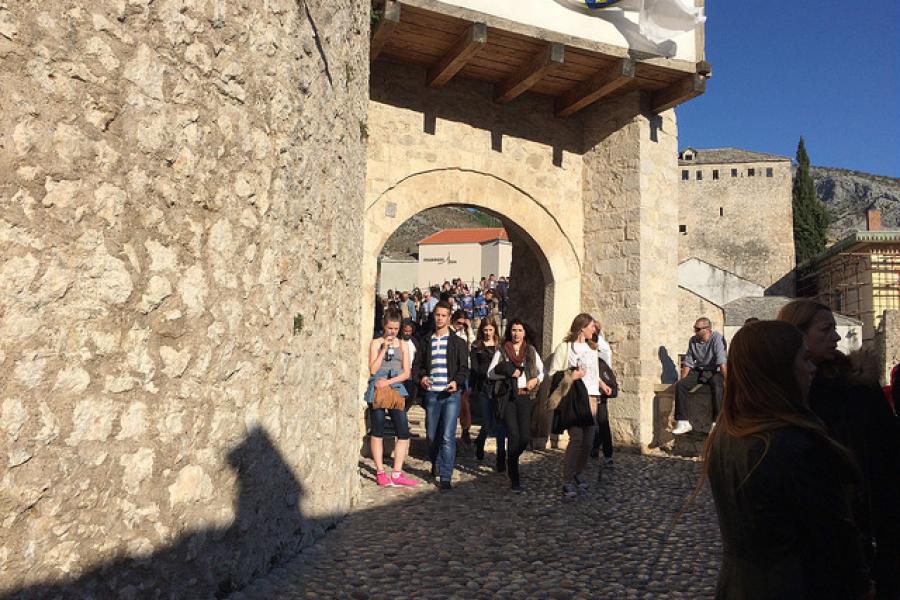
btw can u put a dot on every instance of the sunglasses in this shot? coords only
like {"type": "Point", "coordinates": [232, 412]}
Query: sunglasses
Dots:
{"type": "Point", "coordinates": [699, 329]}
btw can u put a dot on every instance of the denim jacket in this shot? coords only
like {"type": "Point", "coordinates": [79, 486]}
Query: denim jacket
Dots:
{"type": "Point", "coordinates": [383, 374]}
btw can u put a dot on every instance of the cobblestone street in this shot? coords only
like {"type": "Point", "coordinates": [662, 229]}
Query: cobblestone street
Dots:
{"type": "Point", "coordinates": [480, 540]}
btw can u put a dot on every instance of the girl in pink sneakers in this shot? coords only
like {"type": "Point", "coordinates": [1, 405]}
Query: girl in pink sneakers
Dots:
{"type": "Point", "coordinates": [389, 366]}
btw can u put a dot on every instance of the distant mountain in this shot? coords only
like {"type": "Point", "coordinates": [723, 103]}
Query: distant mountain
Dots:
{"type": "Point", "coordinates": [848, 194]}
{"type": "Point", "coordinates": [404, 241]}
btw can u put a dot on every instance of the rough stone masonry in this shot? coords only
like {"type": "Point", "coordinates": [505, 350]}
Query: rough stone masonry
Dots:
{"type": "Point", "coordinates": [179, 279]}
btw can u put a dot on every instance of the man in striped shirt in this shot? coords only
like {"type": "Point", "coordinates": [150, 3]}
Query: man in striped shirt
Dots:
{"type": "Point", "coordinates": [443, 371]}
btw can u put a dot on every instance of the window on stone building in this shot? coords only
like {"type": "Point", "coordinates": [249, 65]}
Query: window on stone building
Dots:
{"type": "Point", "coordinates": [715, 173]}
{"type": "Point", "coordinates": [682, 229]}
{"type": "Point", "coordinates": [685, 175]}
{"type": "Point", "coordinates": [751, 172]}
{"type": "Point", "coordinates": [839, 302]}
{"type": "Point", "coordinates": [768, 171]}
{"type": "Point", "coordinates": [721, 211]}
{"type": "Point", "coordinates": [699, 175]}
{"type": "Point", "coordinates": [734, 172]}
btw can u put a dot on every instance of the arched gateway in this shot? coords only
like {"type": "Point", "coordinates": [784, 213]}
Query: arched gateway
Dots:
{"type": "Point", "coordinates": [557, 287]}
{"type": "Point", "coordinates": [582, 170]}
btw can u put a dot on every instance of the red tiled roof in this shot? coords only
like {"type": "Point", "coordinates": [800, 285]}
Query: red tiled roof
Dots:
{"type": "Point", "coordinates": [466, 236]}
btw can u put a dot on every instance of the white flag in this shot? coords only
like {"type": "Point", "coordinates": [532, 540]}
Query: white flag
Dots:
{"type": "Point", "coordinates": [658, 20]}
{"type": "Point", "coordinates": [662, 20]}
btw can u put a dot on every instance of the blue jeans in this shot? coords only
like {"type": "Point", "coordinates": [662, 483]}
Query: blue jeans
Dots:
{"type": "Point", "coordinates": [441, 414]}
{"type": "Point", "coordinates": [489, 424]}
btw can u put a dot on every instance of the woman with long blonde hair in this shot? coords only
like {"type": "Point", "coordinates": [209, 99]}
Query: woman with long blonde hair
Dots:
{"type": "Point", "coordinates": [578, 353]}
{"type": "Point", "coordinates": [779, 482]}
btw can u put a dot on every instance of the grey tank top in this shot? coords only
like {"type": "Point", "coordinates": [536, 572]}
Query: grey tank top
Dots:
{"type": "Point", "coordinates": [395, 363]}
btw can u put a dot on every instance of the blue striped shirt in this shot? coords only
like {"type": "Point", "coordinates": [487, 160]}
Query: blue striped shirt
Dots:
{"type": "Point", "coordinates": [438, 374]}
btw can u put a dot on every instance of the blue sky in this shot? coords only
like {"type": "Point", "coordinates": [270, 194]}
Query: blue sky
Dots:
{"type": "Point", "coordinates": [828, 70]}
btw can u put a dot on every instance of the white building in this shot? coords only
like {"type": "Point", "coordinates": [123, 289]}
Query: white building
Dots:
{"type": "Point", "coordinates": [468, 254]}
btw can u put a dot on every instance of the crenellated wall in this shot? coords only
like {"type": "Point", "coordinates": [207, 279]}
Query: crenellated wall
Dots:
{"type": "Point", "coordinates": [178, 414]}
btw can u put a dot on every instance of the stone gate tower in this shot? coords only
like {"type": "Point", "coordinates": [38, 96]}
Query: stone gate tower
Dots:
{"type": "Point", "coordinates": [560, 123]}
{"type": "Point", "coordinates": [186, 225]}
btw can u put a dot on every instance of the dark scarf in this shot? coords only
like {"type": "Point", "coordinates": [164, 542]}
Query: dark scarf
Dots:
{"type": "Point", "coordinates": [517, 359]}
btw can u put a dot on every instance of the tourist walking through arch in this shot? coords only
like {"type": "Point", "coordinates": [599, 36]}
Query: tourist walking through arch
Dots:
{"type": "Point", "coordinates": [578, 354]}
{"type": "Point", "coordinates": [518, 364]}
{"type": "Point", "coordinates": [443, 372]}
{"type": "Point", "coordinates": [480, 356]}
{"type": "Point", "coordinates": [389, 367]}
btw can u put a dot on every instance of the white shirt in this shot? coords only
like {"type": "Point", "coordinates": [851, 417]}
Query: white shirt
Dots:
{"type": "Point", "coordinates": [582, 352]}
{"type": "Point", "coordinates": [411, 349]}
{"type": "Point", "coordinates": [522, 381]}
{"type": "Point", "coordinates": [604, 350]}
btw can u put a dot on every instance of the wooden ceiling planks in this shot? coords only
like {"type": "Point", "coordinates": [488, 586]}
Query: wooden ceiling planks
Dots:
{"type": "Point", "coordinates": [504, 58]}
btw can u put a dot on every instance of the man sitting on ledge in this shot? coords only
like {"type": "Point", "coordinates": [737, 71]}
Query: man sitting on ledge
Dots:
{"type": "Point", "coordinates": [703, 364]}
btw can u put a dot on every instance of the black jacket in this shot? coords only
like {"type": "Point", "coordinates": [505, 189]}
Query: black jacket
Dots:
{"type": "Point", "coordinates": [479, 360]}
{"type": "Point", "coordinates": [846, 395]}
{"type": "Point", "coordinates": [457, 360]}
{"type": "Point", "coordinates": [787, 527]}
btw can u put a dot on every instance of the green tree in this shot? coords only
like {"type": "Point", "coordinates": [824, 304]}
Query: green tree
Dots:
{"type": "Point", "coordinates": [811, 218]}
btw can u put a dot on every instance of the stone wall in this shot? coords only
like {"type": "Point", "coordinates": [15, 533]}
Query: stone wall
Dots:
{"type": "Point", "coordinates": [741, 224]}
{"type": "Point", "coordinates": [630, 274]}
{"type": "Point", "coordinates": [178, 414]}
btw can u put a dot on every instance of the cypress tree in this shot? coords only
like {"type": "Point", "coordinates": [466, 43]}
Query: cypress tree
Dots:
{"type": "Point", "coordinates": [811, 218]}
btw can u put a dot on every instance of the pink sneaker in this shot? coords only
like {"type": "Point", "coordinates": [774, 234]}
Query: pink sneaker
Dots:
{"type": "Point", "coordinates": [382, 479]}
{"type": "Point", "coordinates": [401, 479]}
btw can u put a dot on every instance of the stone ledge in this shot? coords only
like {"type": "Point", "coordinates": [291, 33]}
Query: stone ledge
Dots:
{"type": "Point", "coordinates": [699, 414]}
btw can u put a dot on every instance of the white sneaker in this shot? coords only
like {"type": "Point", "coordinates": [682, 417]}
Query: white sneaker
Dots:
{"type": "Point", "coordinates": [682, 427]}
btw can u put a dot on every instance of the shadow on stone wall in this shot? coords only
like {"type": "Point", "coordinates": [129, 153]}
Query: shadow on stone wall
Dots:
{"type": "Point", "coordinates": [669, 369]}
{"type": "Point", "coordinates": [269, 528]}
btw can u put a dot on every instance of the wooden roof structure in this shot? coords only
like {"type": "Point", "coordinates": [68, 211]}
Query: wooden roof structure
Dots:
{"type": "Point", "coordinates": [455, 42]}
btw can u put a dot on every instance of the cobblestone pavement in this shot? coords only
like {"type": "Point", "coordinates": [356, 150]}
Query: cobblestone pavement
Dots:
{"type": "Point", "coordinates": [618, 539]}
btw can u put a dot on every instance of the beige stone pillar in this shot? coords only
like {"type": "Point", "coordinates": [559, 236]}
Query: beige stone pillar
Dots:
{"type": "Point", "coordinates": [629, 279]}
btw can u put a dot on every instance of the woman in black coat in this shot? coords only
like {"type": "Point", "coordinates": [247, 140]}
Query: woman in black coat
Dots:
{"type": "Point", "coordinates": [847, 396]}
{"type": "Point", "coordinates": [779, 482]}
{"type": "Point", "coordinates": [483, 349]}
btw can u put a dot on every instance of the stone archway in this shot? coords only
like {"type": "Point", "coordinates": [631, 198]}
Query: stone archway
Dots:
{"type": "Point", "coordinates": [527, 220]}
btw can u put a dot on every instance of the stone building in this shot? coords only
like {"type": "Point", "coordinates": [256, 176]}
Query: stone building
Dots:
{"type": "Point", "coordinates": [735, 229]}
{"type": "Point", "coordinates": [181, 180]}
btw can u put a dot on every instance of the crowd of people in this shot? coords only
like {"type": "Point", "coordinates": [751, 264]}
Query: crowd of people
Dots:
{"type": "Point", "coordinates": [486, 299]}
{"type": "Point", "coordinates": [803, 458]}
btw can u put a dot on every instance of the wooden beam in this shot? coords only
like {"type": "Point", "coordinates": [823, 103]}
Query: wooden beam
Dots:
{"type": "Point", "coordinates": [682, 91]}
{"type": "Point", "coordinates": [529, 74]}
{"type": "Point", "coordinates": [602, 84]}
{"type": "Point", "coordinates": [468, 44]}
{"type": "Point", "coordinates": [704, 69]}
{"type": "Point", "coordinates": [389, 20]}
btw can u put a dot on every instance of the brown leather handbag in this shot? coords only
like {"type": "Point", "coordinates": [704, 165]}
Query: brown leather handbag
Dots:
{"type": "Point", "coordinates": [388, 398]}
